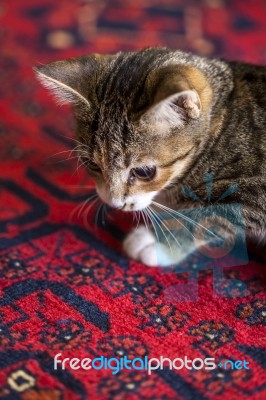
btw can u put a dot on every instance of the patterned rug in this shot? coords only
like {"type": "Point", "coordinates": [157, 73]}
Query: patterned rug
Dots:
{"type": "Point", "coordinates": [65, 286]}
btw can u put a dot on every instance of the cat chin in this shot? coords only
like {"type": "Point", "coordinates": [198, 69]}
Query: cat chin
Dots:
{"type": "Point", "coordinates": [139, 202]}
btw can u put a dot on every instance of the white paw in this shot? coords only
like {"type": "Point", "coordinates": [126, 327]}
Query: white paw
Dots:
{"type": "Point", "coordinates": [140, 244]}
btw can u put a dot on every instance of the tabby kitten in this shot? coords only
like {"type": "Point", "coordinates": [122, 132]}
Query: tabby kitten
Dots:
{"type": "Point", "coordinates": [155, 121]}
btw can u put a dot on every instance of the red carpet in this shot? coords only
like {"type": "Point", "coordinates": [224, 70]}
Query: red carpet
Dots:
{"type": "Point", "coordinates": [64, 285]}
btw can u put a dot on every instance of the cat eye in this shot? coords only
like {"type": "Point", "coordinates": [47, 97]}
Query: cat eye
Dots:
{"type": "Point", "coordinates": [144, 173]}
{"type": "Point", "coordinates": [94, 167]}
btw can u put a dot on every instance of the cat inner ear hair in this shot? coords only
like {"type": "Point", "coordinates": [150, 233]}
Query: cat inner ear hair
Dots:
{"type": "Point", "coordinates": [177, 94]}
{"type": "Point", "coordinates": [69, 80]}
{"type": "Point", "coordinates": [175, 109]}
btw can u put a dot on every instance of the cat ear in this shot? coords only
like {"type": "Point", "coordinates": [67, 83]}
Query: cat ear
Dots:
{"type": "Point", "coordinates": [69, 80]}
{"type": "Point", "coordinates": [177, 94]}
{"type": "Point", "coordinates": [174, 110]}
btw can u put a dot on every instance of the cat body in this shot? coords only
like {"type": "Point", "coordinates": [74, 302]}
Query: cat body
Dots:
{"type": "Point", "coordinates": [156, 121]}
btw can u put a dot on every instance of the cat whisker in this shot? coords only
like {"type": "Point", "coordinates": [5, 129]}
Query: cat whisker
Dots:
{"type": "Point", "coordinates": [184, 217]}
{"type": "Point", "coordinates": [153, 222]}
{"type": "Point", "coordinates": [70, 138]}
{"type": "Point", "coordinates": [144, 219]}
{"type": "Point", "coordinates": [159, 221]}
{"type": "Point", "coordinates": [88, 209]}
{"type": "Point", "coordinates": [79, 147]}
{"type": "Point", "coordinates": [82, 205]}
{"type": "Point", "coordinates": [147, 219]}
{"type": "Point", "coordinates": [80, 187]}
{"type": "Point", "coordinates": [138, 216]}
{"type": "Point", "coordinates": [153, 225]}
{"type": "Point", "coordinates": [65, 159]}
{"type": "Point", "coordinates": [60, 152]}
{"type": "Point", "coordinates": [79, 165]}
{"type": "Point", "coordinates": [85, 203]}
{"type": "Point", "coordinates": [78, 150]}
{"type": "Point", "coordinates": [85, 146]}
{"type": "Point", "coordinates": [104, 214]}
{"type": "Point", "coordinates": [98, 212]}
{"type": "Point", "coordinates": [175, 219]}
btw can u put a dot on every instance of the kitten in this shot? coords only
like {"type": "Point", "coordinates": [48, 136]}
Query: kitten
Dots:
{"type": "Point", "coordinates": [155, 121]}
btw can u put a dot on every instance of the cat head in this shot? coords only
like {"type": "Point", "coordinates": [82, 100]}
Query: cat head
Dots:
{"type": "Point", "coordinates": [142, 118]}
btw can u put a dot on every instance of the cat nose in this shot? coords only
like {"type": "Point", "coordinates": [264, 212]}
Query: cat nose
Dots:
{"type": "Point", "coordinates": [118, 204]}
